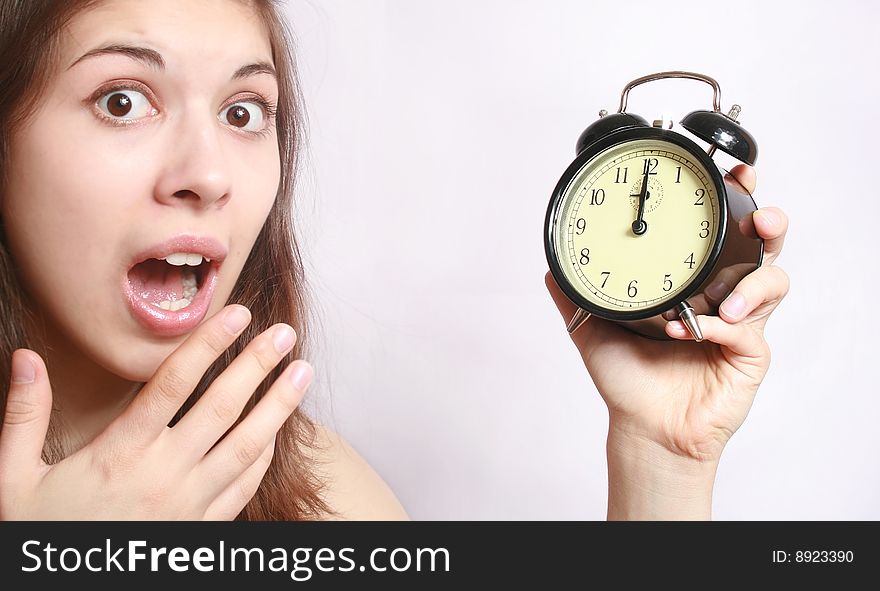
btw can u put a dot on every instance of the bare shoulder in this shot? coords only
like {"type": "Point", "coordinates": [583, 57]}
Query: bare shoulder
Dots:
{"type": "Point", "coordinates": [353, 489]}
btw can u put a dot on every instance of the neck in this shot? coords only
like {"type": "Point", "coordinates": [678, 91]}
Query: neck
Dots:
{"type": "Point", "coordinates": [86, 397]}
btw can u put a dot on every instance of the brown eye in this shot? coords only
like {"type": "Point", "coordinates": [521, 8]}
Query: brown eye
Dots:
{"type": "Point", "coordinates": [238, 116]}
{"type": "Point", "coordinates": [245, 115]}
{"type": "Point", "coordinates": [126, 105]}
{"type": "Point", "coordinates": [119, 104]}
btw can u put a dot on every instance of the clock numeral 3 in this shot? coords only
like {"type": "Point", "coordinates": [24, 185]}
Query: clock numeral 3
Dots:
{"type": "Point", "coordinates": [632, 289]}
{"type": "Point", "coordinates": [704, 231]}
{"type": "Point", "coordinates": [585, 256]}
{"type": "Point", "coordinates": [597, 197]}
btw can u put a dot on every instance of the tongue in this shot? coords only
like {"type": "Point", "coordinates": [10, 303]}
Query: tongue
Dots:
{"type": "Point", "coordinates": [157, 281]}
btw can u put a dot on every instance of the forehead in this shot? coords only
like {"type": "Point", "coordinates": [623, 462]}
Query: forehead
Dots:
{"type": "Point", "coordinates": [187, 33]}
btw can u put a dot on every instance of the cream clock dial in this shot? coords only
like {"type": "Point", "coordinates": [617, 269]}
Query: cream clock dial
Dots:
{"type": "Point", "coordinates": [619, 259]}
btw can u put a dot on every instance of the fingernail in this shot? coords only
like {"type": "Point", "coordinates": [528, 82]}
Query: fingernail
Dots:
{"type": "Point", "coordinates": [236, 319]}
{"type": "Point", "coordinates": [301, 376]}
{"type": "Point", "coordinates": [717, 290]}
{"type": "Point", "coordinates": [23, 371]}
{"type": "Point", "coordinates": [734, 305]}
{"type": "Point", "coordinates": [771, 219]}
{"type": "Point", "coordinates": [283, 338]}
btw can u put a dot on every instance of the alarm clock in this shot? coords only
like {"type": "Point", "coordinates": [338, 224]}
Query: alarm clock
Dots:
{"type": "Point", "coordinates": [644, 227]}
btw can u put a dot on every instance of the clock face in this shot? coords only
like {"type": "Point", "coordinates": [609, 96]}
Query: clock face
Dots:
{"type": "Point", "coordinates": [636, 226]}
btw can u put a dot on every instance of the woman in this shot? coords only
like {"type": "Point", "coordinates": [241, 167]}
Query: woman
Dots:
{"type": "Point", "coordinates": [148, 152]}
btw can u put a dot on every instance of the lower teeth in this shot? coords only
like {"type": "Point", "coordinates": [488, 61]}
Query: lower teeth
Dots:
{"type": "Point", "coordinates": [190, 290]}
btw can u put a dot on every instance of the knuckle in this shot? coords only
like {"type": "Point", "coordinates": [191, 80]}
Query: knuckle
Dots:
{"type": "Point", "coordinates": [171, 386]}
{"type": "Point", "coordinates": [246, 450]}
{"type": "Point", "coordinates": [21, 410]}
{"type": "Point", "coordinates": [261, 356]}
{"type": "Point", "coordinates": [224, 407]}
{"type": "Point", "coordinates": [214, 341]}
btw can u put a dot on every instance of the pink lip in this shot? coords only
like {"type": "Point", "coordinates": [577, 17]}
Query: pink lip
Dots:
{"type": "Point", "coordinates": [169, 323]}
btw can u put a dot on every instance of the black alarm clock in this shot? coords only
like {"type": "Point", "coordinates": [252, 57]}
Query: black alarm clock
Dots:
{"type": "Point", "coordinates": [644, 227]}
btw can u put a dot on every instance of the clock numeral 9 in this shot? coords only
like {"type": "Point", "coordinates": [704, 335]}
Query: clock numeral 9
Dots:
{"type": "Point", "coordinates": [667, 282]}
{"type": "Point", "coordinates": [597, 197]}
{"type": "Point", "coordinates": [690, 261]}
{"type": "Point", "coordinates": [585, 256]}
{"type": "Point", "coordinates": [607, 274]}
{"type": "Point", "coordinates": [704, 232]}
{"type": "Point", "coordinates": [699, 193]}
{"type": "Point", "coordinates": [650, 166]}
{"type": "Point", "coordinates": [581, 226]}
{"type": "Point", "coordinates": [632, 289]}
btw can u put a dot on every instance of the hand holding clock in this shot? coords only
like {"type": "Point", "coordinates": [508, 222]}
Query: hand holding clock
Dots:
{"type": "Point", "coordinates": [674, 405]}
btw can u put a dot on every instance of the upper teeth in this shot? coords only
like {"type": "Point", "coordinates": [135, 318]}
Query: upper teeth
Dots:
{"type": "Point", "coordinates": [185, 258]}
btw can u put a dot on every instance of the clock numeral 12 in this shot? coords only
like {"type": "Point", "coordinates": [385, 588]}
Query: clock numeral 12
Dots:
{"type": "Point", "coordinates": [650, 166]}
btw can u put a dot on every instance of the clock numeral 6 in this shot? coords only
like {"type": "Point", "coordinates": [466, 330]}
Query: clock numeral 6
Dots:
{"type": "Point", "coordinates": [700, 193]}
{"type": "Point", "coordinates": [585, 256]}
{"type": "Point", "coordinates": [597, 197]}
{"type": "Point", "coordinates": [632, 289]}
{"type": "Point", "coordinates": [704, 232]}
{"type": "Point", "coordinates": [667, 282]}
{"type": "Point", "coordinates": [581, 226]}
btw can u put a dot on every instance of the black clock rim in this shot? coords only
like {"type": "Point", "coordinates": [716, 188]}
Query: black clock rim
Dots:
{"type": "Point", "coordinates": [587, 154]}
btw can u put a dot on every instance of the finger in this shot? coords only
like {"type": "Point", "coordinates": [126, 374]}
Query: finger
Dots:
{"type": "Point", "coordinates": [756, 295]}
{"type": "Point", "coordinates": [745, 175]}
{"type": "Point", "coordinates": [218, 409]}
{"type": "Point", "coordinates": [148, 415]}
{"type": "Point", "coordinates": [592, 332]}
{"type": "Point", "coordinates": [233, 499]}
{"type": "Point", "coordinates": [771, 223]}
{"type": "Point", "coordinates": [241, 447]}
{"type": "Point", "coordinates": [26, 420]}
{"type": "Point", "coordinates": [741, 338]}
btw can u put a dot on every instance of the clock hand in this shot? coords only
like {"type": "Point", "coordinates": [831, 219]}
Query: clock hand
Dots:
{"type": "Point", "coordinates": [640, 226]}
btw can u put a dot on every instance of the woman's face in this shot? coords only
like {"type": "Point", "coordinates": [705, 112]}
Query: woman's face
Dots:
{"type": "Point", "coordinates": [161, 135]}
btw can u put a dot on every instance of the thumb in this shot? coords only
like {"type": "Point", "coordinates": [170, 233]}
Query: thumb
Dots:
{"type": "Point", "coordinates": [26, 419]}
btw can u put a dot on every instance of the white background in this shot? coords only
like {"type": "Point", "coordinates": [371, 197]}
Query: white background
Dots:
{"type": "Point", "coordinates": [438, 130]}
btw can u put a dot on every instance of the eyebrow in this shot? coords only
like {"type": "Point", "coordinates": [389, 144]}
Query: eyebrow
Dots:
{"type": "Point", "coordinates": [153, 59]}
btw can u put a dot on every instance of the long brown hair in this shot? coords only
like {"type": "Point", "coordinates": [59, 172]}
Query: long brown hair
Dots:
{"type": "Point", "coordinates": [271, 283]}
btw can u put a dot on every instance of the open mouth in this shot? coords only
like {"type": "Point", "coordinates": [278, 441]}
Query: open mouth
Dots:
{"type": "Point", "coordinates": [171, 283]}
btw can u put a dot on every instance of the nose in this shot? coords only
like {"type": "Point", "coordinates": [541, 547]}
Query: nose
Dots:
{"type": "Point", "coordinates": [196, 169]}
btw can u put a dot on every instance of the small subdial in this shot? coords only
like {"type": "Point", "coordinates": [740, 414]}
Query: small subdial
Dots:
{"type": "Point", "coordinates": [654, 197]}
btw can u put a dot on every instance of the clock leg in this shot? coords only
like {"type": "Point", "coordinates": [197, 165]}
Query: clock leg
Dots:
{"type": "Point", "coordinates": [577, 320]}
{"type": "Point", "coordinates": [686, 315]}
